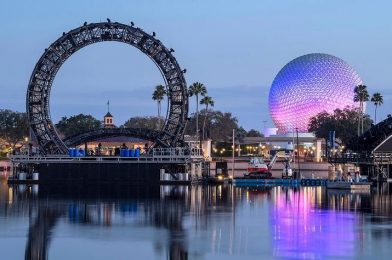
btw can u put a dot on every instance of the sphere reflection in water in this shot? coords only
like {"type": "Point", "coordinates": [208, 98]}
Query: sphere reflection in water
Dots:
{"type": "Point", "coordinates": [299, 229]}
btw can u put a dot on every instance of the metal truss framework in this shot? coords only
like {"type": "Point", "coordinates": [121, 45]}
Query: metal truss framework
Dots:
{"type": "Point", "coordinates": [41, 80]}
{"type": "Point", "coordinates": [369, 140]}
{"type": "Point", "coordinates": [145, 134]}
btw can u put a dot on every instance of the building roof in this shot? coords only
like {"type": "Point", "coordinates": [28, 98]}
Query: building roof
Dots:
{"type": "Point", "coordinates": [120, 139]}
{"type": "Point", "coordinates": [108, 115]}
{"type": "Point", "coordinates": [385, 146]}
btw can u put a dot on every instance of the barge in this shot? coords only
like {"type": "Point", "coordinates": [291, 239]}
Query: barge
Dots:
{"type": "Point", "coordinates": [186, 165]}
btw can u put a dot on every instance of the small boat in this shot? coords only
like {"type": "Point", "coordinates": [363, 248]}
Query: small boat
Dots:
{"type": "Point", "coordinates": [346, 185]}
{"type": "Point", "coordinates": [257, 168]}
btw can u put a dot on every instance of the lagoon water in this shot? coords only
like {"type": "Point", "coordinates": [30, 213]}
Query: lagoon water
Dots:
{"type": "Point", "coordinates": [194, 222]}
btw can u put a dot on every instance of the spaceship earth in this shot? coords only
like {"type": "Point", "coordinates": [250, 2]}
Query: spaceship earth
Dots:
{"type": "Point", "coordinates": [308, 85]}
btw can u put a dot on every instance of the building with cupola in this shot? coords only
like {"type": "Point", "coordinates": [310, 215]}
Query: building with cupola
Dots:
{"type": "Point", "coordinates": [108, 121]}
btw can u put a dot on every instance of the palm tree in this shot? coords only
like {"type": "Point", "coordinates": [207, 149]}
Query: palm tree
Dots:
{"type": "Point", "coordinates": [158, 95]}
{"type": "Point", "coordinates": [361, 95]}
{"type": "Point", "coordinates": [207, 101]}
{"type": "Point", "coordinates": [377, 100]}
{"type": "Point", "coordinates": [197, 89]}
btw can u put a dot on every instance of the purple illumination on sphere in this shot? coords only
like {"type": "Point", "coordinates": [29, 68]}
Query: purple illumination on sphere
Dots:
{"type": "Point", "coordinates": [309, 85]}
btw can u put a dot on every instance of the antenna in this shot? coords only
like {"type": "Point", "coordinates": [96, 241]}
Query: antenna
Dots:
{"type": "Point", "coordinates": [264, 122]}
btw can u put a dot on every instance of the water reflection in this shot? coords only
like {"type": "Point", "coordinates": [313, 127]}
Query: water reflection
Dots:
{"type": "Point", "coordinates": [39, 234]}
{"type": "Point", "coordinates": [196, 222]}
{"type": "Point", "coordinates": [300, 226]}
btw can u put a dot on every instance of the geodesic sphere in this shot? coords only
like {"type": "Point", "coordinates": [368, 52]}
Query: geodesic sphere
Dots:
{"type": "Point", "coordinates": [308, 85]}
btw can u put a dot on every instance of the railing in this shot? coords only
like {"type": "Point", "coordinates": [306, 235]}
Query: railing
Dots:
{"type": "Point", "coordinates": [357, 158]}
{"type": "Point", "coordinates": [88, 159]}
{"type": "Point", "coordinates": [383, 158]}
{"type": "Point", "coordinates": [177, 152]}
{"type": "Point", "coordinates": [158, 155]}
{"type": "Point", "coordinates": [362, 158]}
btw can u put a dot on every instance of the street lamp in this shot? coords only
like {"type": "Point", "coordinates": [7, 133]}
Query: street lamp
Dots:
{"type": "Point", "coordinates": [26, 139]}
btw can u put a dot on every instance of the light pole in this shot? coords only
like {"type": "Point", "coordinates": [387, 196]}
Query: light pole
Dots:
{"type": "Point", "coordinates": [27, 146]}
{"type": "Point", "coordinates": [299, 167]}
{"type": "Point", "coordinates": [232, 165]}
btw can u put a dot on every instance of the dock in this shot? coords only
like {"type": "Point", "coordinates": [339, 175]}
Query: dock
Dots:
{"type": "Point", "coordinates": [344, 185]}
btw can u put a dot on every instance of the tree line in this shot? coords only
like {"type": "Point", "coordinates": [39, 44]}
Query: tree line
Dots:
{"type": "Point", "coordinates": [216, 125]}
{"type": "Point", "coordinates": [14, 130]}
{"type": "Point", "coordinates": [348, 122]}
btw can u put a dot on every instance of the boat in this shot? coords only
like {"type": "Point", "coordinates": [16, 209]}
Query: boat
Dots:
{"type": "Point", "coordinates": [257, 168]}
{"type": "Point", "coordinates": [346, 185]}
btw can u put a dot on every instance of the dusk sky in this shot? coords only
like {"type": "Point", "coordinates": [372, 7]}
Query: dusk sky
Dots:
{"type": "Point", "coordinates": [235, 48]}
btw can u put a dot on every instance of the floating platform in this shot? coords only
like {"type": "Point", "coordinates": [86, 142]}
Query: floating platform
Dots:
{"type": "Point", "coordinates": [243, 182]}
{"type": "Point", "coordinates": [343, 185]}
{"type": "Point", "coordinates": [143, 170]}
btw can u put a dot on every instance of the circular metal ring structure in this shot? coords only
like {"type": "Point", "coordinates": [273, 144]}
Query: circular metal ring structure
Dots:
{"type": "Point", "coordinates": [57, 53]}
